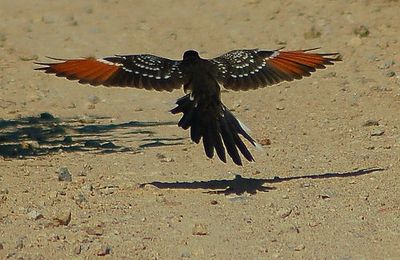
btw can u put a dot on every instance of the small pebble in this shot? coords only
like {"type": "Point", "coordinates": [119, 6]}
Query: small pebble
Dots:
{"type": "Point", "coordinates": [313, 33]}
{"type": "Point", "coordinates": [63, 218]}
{"type": "Point", "coordinates": [299, 247]}
{"type": "Point", "coordinates": [185, 254]}
{"type": "Point", "coordinates": [48, 19]}
{"type": "Point", "coordinates": [200, 229]}
{"type": "Point", "coordinates": [377, 132]}
{"type": "Point", "coordinates": [35, 215]}
{"type": "Point", "coordinates": [104, 250]}
{"type": "Point", "coordinates": [265, 141]}
{"type": "Point", "coordinates": [160, 156]}
{"type": "Point", "coordinates": [64, 175]}
{"type": "Point", "coordinates": [109, 145]}
{"type": "Point", "coordinates": [284, 213]}
{"type": "Point", "coordinates": [371, 122]}
{"type": "Point", "coordinates": [361, 31]}
{"type": "Point", "coordinates": [86, 169]}
{"type": "Point", "coordinates": [355, 42]}
{"type": "Point", "coordinates": [1, 246]}
{"type": "Point", "coordinates": [390, 74]}
{"type": "Point", "coordinates": [80, 198]}
{"type": "Point", "coordinates": [387, 64]}
{"type": "Point", "coordinates": [92, 143]}
{"type": "Point", "coordinates": [68, 140]}
{"type": "Point", "coordinates": [20, 243]}
{"type": "Point", "coordinates": [87, 187]}
{"type": "Point", "coordinates": [46, 116]}
{"type": "Point", "coordinates": [95, 231]}
{"type": "Point", "coordinates": [93, 99]}
{"type": "Point", "coordinates": [214, 202]}
{"type": "Point", "coordinates": [167, 160]}
{"type": "Point", "coordinates": [77, 249]}
{"type": "Point", "coordinates": [53, 238]}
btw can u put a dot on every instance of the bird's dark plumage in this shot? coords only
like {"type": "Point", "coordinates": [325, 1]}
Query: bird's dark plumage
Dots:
{"type": "Point", "coordinates": [203, 111]}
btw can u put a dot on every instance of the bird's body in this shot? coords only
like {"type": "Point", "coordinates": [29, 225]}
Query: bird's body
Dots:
{"type": "Point", "coordinates": [201, 79]}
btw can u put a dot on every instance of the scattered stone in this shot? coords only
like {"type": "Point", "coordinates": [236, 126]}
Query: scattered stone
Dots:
{"type": "Point", "coordinates": [1, 246]}
{"type": "Point", "coordinates": [160, 156]}
{"type": "Point", "coordinates": [80, 198]}
{"type": "Point", "coordinates": [104, 250]}
{"type": "Point", "coordinates": [299, 247]}
{"type": "Point", "coordinates": [330, 75]}
{"type": "Point", "coordinates": [86, 169]}
{"type": "Point", "coordinates": [314, 223]}
{"type": "Point", "coordinates": [279, 107]}
{"type": "Point", "coordinates": [53, 238]}
{"type": "Point", "coordinates": [48, 19]}
{"type": "Point", "coordinates": [87, 187]}
{"type": "Point", "coordinates": [377, 132]}
{"type": "Point", "coordinates": [214, 202]}
{"type": "Point", "coordinates": [94, 231]}
{"type": "Point", "coordinates": [324, 196]}
{"type": "Point", "coordinates": [77, 249]}
{"type": "Point", "coordinates": [4, 191]}
{"type": "Point", "coordinates": [284, 212]}
{"type": "Point", "coordinates": [265, 141]}
{"type": "Point", "coordinates": [64, 175]}
{"type": "Point", "coordinates": [91, 106]}
{"type": "Point", "coordinates": [109, 145]}
{"type": "Point", "coordinates": [371, 122]}
{"type": "Point", "coordinates": [71, 105]}
{"type": "Point", "coordinates": [86, 120]}
{"type": "Point", "coordinates": [92, 143]}
{"type": "Point", "coordinates": [29, 57]}
{"type": "Point", "coordinates": [29, 145]}
{"type": "Point", "coordinates": [185, 254]}
{"type": "Point", "coordinates": [199, 229]}
{"type": "Point", "coordinates": [3, 37]}
{"type": "Point", "coordinates": [385, 65]}
{"type": "Point", "coordinates": [88, 10]}
{"type": "Point", "coordinates": [312, 34]}
{"type": "Point", "coordinates": [355, 42]}
{"type": "Point", "coordinates": [20, 243]}
{"type": "Point", "coordinates": [46, 116]}
{"type": "Point", "coordinates": [63, 218]}
{"type": "Point", "coordinates": [93, 99]}
{"type": "Point", "coordinates": [167, 160]}
{"type": "Point", "coordinates": [35, 215]}
{"type": "Point", "coordinates": [361, 31]}
{"type": "Point", "coordinates": [390, 74]}
{"type": "Point", "coordinates": [68, 140]}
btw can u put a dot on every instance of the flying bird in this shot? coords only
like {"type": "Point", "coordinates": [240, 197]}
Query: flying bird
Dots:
{"type": "Point", "coordinates": [204, 113]}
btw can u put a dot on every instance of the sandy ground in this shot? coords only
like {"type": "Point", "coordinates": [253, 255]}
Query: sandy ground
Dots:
{"type": "Point", "coordinates": [326, 187]}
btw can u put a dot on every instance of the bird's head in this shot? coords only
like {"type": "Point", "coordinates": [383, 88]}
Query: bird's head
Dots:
{"type": "Point", "coordinates": [190, 54]}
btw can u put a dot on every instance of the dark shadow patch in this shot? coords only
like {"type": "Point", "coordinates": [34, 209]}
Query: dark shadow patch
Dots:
{"type": "Point", "coordinates": [240, 185]}
{"type": "Point", "coordinates": [46, 134]}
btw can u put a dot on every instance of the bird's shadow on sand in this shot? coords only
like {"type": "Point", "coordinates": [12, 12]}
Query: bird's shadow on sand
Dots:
{"type": "Point", "coordinates": [45, 134]}
{"type": "Point", "coordinates": [240, 185]}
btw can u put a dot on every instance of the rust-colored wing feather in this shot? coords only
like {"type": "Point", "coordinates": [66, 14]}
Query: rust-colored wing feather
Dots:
{"type": "Point", "coordinates": [138, 71]}
{"type": "Point", "coordinates": [250, 69]}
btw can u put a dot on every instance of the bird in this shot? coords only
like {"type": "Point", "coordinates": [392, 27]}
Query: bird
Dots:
{"type": "Point", "coordinates": [203, 112]}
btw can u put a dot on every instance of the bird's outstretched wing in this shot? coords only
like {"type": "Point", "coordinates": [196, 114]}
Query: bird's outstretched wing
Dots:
{"type": "Point", "coordinates": [138, 71]}
{"type": "Point", "coordinates": [251, 69]}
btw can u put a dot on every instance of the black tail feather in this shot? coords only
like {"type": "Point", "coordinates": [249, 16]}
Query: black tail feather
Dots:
{"type": "Point", "coordinates": [218, 128]}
